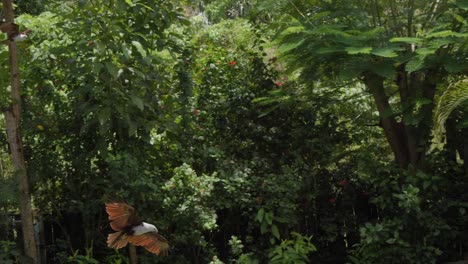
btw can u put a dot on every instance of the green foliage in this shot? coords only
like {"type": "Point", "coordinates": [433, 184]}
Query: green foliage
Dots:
{"type": "Point", "coordinates": [219, 10]}
{"type": "Point", "coordinates": [349, 53]}
{"type": "Point", "coordinates": [189, 195]}
{"type": "Point", "coordinates": [8, 185]}
{"type": "Point", "coordinates": [81, 259]}
{"type": "Point", "coordinates": [9, 253]}
{"type": "Point", "coordinates": [295, 250]}
{"type": "Point", "coordinates": [414, 227]}
{"type": "Point", "coordinates": [219, 143]}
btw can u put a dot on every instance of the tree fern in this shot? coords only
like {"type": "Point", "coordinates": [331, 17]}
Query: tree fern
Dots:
{"type": "Point", "coordinates": [454, 96]}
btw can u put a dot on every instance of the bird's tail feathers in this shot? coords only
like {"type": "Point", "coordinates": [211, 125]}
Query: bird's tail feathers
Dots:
{"type": "Point", "coordinates": [117, 240]}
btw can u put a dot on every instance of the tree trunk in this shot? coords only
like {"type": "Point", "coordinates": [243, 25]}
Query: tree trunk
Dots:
{"type": "Point", "coordinates": [12, 117]}
{"type": "Point", "coordinates": [394, 132]}
{"type": "Point", "coordinates": [408, 138]}
{"type": "Point", "coordinates": [133, 254]}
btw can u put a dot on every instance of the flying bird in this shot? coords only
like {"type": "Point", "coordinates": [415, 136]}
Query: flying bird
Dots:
{"type": "Point", "coordinates": [22, 36]}
{"type": "Point", "coordinates": [130, 229]}
{"type": "Point", "coordinates": [12, 30]}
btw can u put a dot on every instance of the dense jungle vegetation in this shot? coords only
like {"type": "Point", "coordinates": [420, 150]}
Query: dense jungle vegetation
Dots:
{"type": "Point", "coordinates": [247, 131]}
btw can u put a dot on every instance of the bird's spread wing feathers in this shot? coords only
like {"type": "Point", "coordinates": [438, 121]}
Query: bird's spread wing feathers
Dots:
{"type": "Point", "coordinates": [152, 241]}
{"type": "Point", "coordinates": [121, 215]}
{"type": "Point", "coordinates": [117, 240]}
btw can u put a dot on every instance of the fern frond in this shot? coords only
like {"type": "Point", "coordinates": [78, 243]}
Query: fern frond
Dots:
{"type": "Point", "coordinates": [454, 96]}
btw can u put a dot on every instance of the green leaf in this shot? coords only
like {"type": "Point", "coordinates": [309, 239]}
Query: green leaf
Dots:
{"type": "Point", "coordinates": [463, 4]}
{"type": "Point", "coordinates": [132, 128]}
{"type": "Point", "coordinates": [407, 40]}
{"type": "Point", "coordinates": [137, 101]}
{"type": "Point", "coordinates": [439, 42]}
{"type": "Point", "coordinates": [426, 184]}
{"type": "Point", "coordinates": [263, 227]}
{"type": "Point", "coordinates": [353, 69]}
{"type": "Point", "coordinates": [139, 48]}
{"type": "Point", "coordinates": [126, 52]}
{"type": "Point", "coordinates": [287, 47]}
{"type": "Point", "coordinates": [275, 231]}
{"type": "Point", "coordinates": [425, 51]}
{"type": "Point", "coordinates": [272, 241]}
{"type": "Point", "coordinates": [292, 30]}
{"type": "Point", "coordinates": [260, 214]}
{"type": "Point", "coordinates": [129, 2]}
{"type": "Point", "coordinates": [184, 21]}
{"type": "Point", "coordinates": [415, 64]}
{"type": "Point", "coordinates": [334, 30]}
{"type": "Point", "coordinates": [358, 50]}
{"type": "Point", "coordinates": [145, 6]}
{"type": "Point", "coordinates": [269, 110]}
{"type": "Point", "coordinates": [385, 52]}
{"type": "Point", "coordinates": [104, 115]}
{"type": "Point", "coordinates": [458, 18]}
{"type": "Point", "coordinates": [96, 67]}
{"type": "Point", "coordinates": [447, 33]}
{"type": "Point", "coordinates": [329, 50]}
{"type": "Point", "coordinates": [112, 69]}
{"type": "Point", "coordinates": [383, 69]}
{"type": "Point", "coordinates": [453, 65]}
{"type": "Point", "coordinates": [269, 217]}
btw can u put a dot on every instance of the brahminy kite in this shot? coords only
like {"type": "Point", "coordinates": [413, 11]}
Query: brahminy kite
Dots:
{"type": "Point", "coordinates": [130, 229]}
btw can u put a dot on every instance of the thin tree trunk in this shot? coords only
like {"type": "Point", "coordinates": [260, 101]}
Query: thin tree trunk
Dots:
{"type": "Point", "coordinates": [12, 117]}
{"type": "Point", "coordinates": [133, 254]}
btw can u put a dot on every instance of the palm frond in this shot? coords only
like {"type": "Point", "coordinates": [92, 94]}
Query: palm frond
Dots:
{"type": "Point", "coordinates": [454, 96]}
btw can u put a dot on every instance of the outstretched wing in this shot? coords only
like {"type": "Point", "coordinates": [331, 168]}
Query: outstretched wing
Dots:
{"type": "Point", "coordinates": [151, 241]}
{"type": "Point", "coordinates": [121, 215]}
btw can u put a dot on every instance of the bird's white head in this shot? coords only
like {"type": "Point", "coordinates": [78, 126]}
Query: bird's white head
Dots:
{"type": "Point", "coordinates": [150, 227]}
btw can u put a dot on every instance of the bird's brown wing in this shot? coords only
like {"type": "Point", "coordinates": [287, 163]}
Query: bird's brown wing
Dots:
{"type": "Point", "coordinates": [121, 215]}
{"type": "Point", "coordinates": [152, 241]}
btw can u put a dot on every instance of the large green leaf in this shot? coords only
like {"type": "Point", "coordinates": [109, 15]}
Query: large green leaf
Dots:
{"type": "Point", "coordinates": [446, 33]}
{"type": "Point", "coordinates": [358, 50]}
{"type": "Point", "coordinates": [407, 40]}
{"type": "Point", "coordinates": [292, 30]}
{"type": "Point", "coordinates": [388, 52]}
{"type": "Point", "coordinates": [129, 2]}
{"type": "Point", "coordinates": [137, 101]}
{"type": "Point", "coordinates": [287, 47]}
{"type": "Point", "coordinates": [384, 69]}
{"type": "Point", "coordinates": [112, 69]}
{"type": "Point", "coordinates": [415, 64]}
{"type": "Point", "coordinates": [353, 69]}
{"type": "Point", "coordinates": [329, 50]}
{"type": "Point", "coordinates": [333, 30]}
{"type": "Point", "coordinates": [104, 115]}
{"type": "Point", "coordinates": [425, 51]}
{"type": "Point", "coordinates": [139, 48]}
{"type": "Point", "coordinates": [275, 231]}
{"type": "Point", "coordinates": [454, 65]}
{"type": "Point", "coordinates": [463, 4]}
